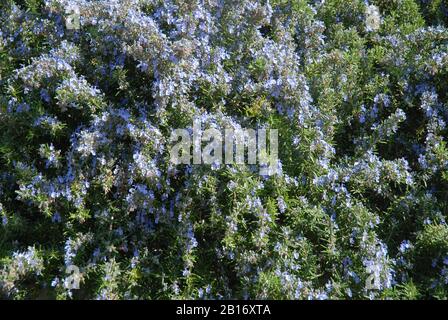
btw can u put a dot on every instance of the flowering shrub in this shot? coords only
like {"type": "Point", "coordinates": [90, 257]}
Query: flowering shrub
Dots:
{"type": "Point", "coordinates": [88, 100]}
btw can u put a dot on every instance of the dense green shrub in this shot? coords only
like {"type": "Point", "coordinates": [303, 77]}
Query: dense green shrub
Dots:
{"type": "Point", "coordinates": [357, 89]}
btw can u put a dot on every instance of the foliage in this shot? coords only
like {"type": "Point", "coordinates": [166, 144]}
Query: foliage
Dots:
{"type": "Point", "coordinates": [358, 94]}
